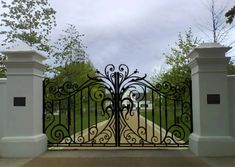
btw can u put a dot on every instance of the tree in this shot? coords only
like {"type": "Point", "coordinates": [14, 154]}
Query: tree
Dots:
{"type": "Point", "coordinates": [69, 48]}
{"type": "Point", "coordinates": [231, 68]}
{"type": "Point", "coordinates": [74, 72]}
{"type": "Point", "coordinates": [28, 21]}
{"type": "Point", "coordinates": [230, 15]}
{"type": "Point", "coordinates": [216, 28]}
{"type": "Point", "coordinates": [2, 66]}
{"type": "Point", "coordinates": [177, 60]}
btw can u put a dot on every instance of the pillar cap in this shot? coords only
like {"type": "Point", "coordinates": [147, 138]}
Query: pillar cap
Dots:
{"type": "Point", "coordinates": [23, 52]}
{"type": "Point", "coordinates": [208, 50]}
{"type": "Point", "coordinates": [210, 45]}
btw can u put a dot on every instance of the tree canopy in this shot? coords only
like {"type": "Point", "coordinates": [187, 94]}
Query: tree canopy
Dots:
{"type": "Point", "coordinates": [74, 72]}
{"type": "Point", "coordinates": [178, 70]}
{"type": "Point", "coordinates": [28, 21]}
{"type": "Point", "coordinates": [69, 47]}
{"type": "Point", "coordinates": [177, 60]}
{"type": "Point", "coordinates": [32, 22]}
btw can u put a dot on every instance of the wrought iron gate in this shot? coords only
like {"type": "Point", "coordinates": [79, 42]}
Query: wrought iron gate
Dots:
{"type": "Point", "coordinates": [117, 108]}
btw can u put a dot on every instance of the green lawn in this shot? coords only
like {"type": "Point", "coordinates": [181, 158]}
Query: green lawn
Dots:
{"type": "Point", "coordinates": [168, 119]}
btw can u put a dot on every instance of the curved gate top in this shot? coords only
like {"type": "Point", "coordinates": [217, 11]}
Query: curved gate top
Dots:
{"type": "Point", "coordinates": [117, 108]}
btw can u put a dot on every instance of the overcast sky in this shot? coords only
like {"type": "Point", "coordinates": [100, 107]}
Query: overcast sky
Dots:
{"type": "Point", "coordinates": [134, 32]}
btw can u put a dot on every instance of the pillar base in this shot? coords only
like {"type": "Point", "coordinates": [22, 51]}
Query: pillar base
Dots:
{"type": "Point", "coordinates": [25, 146]}
{"type": "Point", "coordinates": [211, 146]}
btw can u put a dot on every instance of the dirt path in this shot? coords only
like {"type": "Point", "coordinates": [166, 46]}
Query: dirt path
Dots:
{"type": "Point", "coordinates": [134, 130]}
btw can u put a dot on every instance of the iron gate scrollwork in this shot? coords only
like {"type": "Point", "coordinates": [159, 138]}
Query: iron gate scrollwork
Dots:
{"type": "Point", "coordinates": [117, 108]}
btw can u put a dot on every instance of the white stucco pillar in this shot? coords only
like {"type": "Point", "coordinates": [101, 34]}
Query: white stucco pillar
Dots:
{"type": "Point", "coordinates": [3, 99]}
{"type": "Point", "coordinates": [23, 135]}
{"type": "Point", "coordinates": [211, 135]}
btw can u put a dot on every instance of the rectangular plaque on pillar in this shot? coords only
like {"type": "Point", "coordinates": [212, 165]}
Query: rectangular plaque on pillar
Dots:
{"type": "Point", "coordinates": [19, 101]}
{"type": "Point", "coordinates": [213, 98]}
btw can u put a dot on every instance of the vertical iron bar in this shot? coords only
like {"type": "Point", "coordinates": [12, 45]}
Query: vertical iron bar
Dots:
{"type": "Point", "coordinates": [52, 107]}
{"type": "Point", "coordinates": [74, 117]}
{"type": "Point", "coordinates": [166, 114]}
{"type": "Point", "coordinates": [175, 112]}
{"type": "Point", "coordinates": [160, 117]}
{"type": "Point", "coordinates": [88, 112]}
{"type": "Point", "coordinates": [117, 128]}
{"type": "Point", "coordinates": [138, 111]}
{"type": "Point", "coordinates": [81, 113]}
{"type": "Point", "coordinates": [96, 115]}
{"type": "Point", "coordinates": [60, 112]}
{"type": "Point", "coordinates": [153, 117]}
{"type": "Point", "coordinates": [69, 115]}
{"type": "Point", "coordinates": [145, 114]}
{"type": "Point", "coordinates": [182, 107]}
{"type": "Point", "coordinates": [43, 105]}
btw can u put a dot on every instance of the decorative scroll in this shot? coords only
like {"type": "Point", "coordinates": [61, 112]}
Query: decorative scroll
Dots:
{"type": "Point", "coordinates": [117, 108]}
